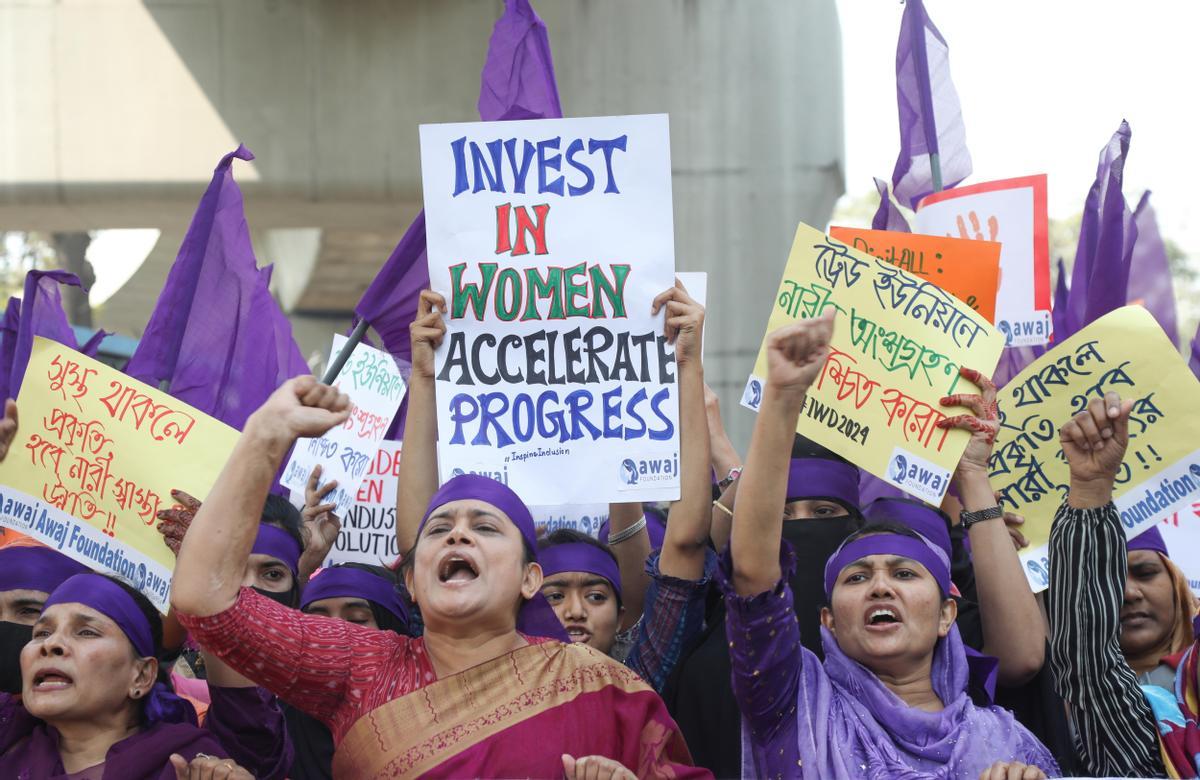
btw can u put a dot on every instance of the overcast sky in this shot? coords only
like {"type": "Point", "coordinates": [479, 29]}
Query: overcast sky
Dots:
{"type": "Point", "coordinates": [1043, 84]}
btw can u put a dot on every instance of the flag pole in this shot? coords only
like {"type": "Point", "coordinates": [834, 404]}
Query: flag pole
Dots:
{"type": "Point", "coordinates": [335, 368]}
{"type": "Point", "coordinates": [935, 167]}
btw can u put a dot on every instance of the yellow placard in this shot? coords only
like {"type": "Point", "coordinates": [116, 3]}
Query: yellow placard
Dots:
{"type": "Point", "coordinates": [897, 347]}
{"type": "Point", "coordinates": [1126, 352]}
{"type": "Point", "coordinates": [96, 457]}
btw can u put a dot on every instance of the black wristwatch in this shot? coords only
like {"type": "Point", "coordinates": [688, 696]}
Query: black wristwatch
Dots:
{"type": "Point", "coordinates": [968, 519]}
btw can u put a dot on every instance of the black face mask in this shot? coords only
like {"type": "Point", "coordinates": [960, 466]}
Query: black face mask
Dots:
{"type": "Point", "coordinates": [288, 598]}
{"type": "Point", "coordinates": [13, 637]}
{"type": "Point", "coordinates": [814, 541]}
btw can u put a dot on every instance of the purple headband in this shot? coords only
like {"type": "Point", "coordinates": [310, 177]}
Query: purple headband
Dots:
{"type": "Point", "coordinates": [581, 556]}
{"type": "Point", "coordinates": [277, 543]}
{"type": "Point", "coordinates": [489, 491]}
{"type": "Point", "coordinates": [1150, 539]}
{"type": "Point", "coordinates": [36, 568]}
{"type": "Point", "coordinates": [537, 617]}
{"type": "Point", "coordinates": [925, 520]}
{"type": "Point", "coordinates": [110, 599]}
{"type": "Point", "coordinates": [349, 582]}
{"type": "Point", "coordinates": [821, 478]}
{"type": "Point", "coordinates": [919, 550]}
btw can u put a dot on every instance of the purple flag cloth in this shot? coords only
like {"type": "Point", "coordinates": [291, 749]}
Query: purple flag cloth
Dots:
{"type": "Point", "coordinates": [9, 328]}
{"type": "Point", "coordinates": [1194, 363]}
{"type": "Point", "coordinates": [41, 314]}
{"type": "Point", "coordinates": [1106, 236]}
{"type": "Point", "coordinates": [216, 336]}
{"type": "Point", "coordinates": [888, 217]}
{"type": "Point", "coordinates": [1014, 360]}
{"type": "Point", "coordinates": [1150, 271]}
{"type": "Point", "coordinates": [931, 121]}
{"type": "Point", "coordinates": [1059, 315]}
{"type": "Point", "coordinates": [517, 83]}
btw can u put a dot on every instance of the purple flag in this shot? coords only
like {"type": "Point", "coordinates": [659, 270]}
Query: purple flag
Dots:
{"type": "Point", "coordinates": [931, 121]}
{"type": "Point", "coordinates": [1106, 237]}
{"type": "Point", "coordinates": [216, 336]}
{"type": "Point", "coordinates": [517, 83]}
{"type": "Point", "coordinates": [887, 216]}
{"type": "Point", "coordinates": [1195, 361]}
{"type": "Point", "coordinates": [1062, 297]}
{"type": "Point", "coordinates": [9, 329]}
{"type": "Point", "coordinates": [41, 314]}
{"type": "Point", "coordinates": [1150, 272]}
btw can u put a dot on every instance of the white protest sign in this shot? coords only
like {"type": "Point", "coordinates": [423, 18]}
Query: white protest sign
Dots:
{"type": "Point", "coordinates": [373, 382]}
{"type": "Point", "coordinates": [549, 240]}
{"type": "Point", "coordinates": [369, 528]}
{"type": "Point", "coordinates": [585, 518]}
{"type": "Point", "coordinates": [1181, 532]}
{"type": "Point", "coordinates": [1013, 213]}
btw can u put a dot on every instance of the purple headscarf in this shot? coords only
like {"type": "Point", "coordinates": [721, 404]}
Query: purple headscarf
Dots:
{"type": "Point", "coordinates": [350, 582]}
{"type": "Point", "coordinates": [277, 543]}
{"type": "Point", "coordinates": [926, 520]}
{"type": "Point", "coordinates": [584, 557]}
{"type": "Point", "coordinates": [536, 617]}
{"type": "Point", "coordinates": [110, 599]}
{"type": "Point", "coordinates": [1150, 539]}
{"type": "Point", "coordinates": [815, 479]}
{"type": "Point", "coordinates": [35, 568]}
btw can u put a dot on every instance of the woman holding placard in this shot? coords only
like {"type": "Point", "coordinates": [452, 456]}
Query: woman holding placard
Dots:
{"type": "Point", "coordinates": [1118, 617]}
{"type": "Point", "coordinates": [891, 697]}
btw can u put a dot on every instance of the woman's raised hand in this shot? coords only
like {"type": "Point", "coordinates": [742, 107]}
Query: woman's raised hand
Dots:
{"type": "Point", "coordinates": [426, 332]}
{"type": "Point", "coordinates": [685, 321]}
{"type": "Point", "coordinates": [301, 406]}
{"type": "Point", "coordinates": [8, 427]}
{"type": "Point", "coordinates": [595, 768]}
{"type": "Point", "coordinates": [983, 423]}
{"type": "Point", "coordinates": [796, 353]}
{"type": "Point", "coordinates": [1094, 442]}
{"type": "Point", "coordinates": [173, 523]}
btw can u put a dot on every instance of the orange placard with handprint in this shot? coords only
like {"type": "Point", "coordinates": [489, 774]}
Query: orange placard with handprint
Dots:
{"type": "Point", "coordinates": [1011, 212]}
{"type": "Point", "coordinates": [968, 270]}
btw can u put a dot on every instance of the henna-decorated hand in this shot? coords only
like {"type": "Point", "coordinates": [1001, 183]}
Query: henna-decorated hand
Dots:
{"type": "Point", "coordinates": [8, 427]}
{"type": "Point", "coordinates": [174, 522]}
{"type": "Point", "coordinates": [983, 423]}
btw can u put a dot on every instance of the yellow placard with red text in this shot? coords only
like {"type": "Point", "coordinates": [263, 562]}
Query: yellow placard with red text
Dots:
{"type": "Point", "coordinates": [96, 457]}
{"type": "Point", "coordinates": [968, 270]}
{"type": "Point", "coordinates": [898, 343]}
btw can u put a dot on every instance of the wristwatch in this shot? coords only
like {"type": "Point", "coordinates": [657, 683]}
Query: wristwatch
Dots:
{"type": "Point", "coordinates": [730, 478]}
{"type": "Point", "coordinates": [968, 519]}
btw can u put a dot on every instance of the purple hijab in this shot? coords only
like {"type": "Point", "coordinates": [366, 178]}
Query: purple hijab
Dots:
{"type": "Point", "coordinates": [851, 726]}
{"type": "Point", "coordinates": [1150, 539]}
{"type": "Point", "coordinates": [536, 617]}
{"type": "Point", "coordinates": [110, 599]}
{"type": "Point", "coordinates": [823, 479]}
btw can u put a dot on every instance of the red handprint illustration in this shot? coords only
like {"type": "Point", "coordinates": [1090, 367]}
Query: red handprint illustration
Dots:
{"type": "Point", "coordinates": [976, 229]}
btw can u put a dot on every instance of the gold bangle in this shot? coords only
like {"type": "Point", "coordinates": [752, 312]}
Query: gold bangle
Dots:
{"type": "Point", "coordinates": [723, 508]}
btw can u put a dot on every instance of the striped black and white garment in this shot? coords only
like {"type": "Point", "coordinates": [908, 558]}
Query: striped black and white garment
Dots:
{"type": "Point", "coordinates": [1115, 727]}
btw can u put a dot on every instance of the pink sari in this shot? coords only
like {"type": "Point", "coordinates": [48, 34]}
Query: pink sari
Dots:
{"type": "Point", "coordinates": [515, 716]}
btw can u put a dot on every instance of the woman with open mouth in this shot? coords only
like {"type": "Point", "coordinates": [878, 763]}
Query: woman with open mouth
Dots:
{"type": "Point", "coordinates": [891, 697]}
{"type": "Point", "coordinates": [482, 693]}
{"type": "Point", "coordinates": [92, 705]}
